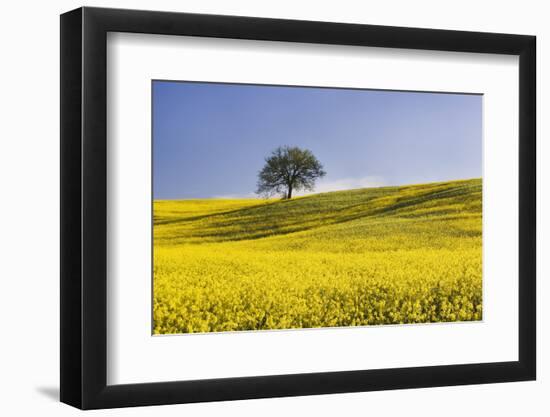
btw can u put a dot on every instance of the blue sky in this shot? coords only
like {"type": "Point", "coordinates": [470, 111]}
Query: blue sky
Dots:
{"type": "Point", "coordinates": [210, 140]}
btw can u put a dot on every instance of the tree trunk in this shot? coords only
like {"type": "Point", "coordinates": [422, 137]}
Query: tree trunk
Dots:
{"type": "Point", "coordinates": [289, 195]}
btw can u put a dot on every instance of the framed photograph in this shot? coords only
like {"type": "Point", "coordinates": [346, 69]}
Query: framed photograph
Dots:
{"type": "Point", "coordinates": [258, 208]}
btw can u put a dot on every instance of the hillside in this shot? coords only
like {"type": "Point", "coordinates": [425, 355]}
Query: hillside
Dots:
{"type": "Point", "coordinates": [331, 259]}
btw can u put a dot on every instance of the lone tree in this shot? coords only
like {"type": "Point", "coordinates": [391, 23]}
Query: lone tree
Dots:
{"type": "Point", "coordinates": [288, 169]}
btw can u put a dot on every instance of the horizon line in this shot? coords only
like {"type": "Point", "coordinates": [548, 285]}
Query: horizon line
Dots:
{"type": "Point", "coordinates": [323, 192]}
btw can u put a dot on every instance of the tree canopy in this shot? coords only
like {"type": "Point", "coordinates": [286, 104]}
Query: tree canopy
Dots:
{"type": "Point", "coordinates": [289, 169]}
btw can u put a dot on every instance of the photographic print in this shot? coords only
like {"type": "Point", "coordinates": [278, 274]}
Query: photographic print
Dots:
{"type": "Point", "coordinates": [290, 207]}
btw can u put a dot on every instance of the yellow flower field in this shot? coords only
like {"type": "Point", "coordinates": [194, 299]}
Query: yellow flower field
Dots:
{"type": "Point", "coordinates": [409, 254]}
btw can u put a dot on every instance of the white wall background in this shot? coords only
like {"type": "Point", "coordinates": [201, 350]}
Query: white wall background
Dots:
{"type": "Point", "coordinates": [29, 233]}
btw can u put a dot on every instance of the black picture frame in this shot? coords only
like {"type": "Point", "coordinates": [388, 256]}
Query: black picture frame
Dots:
{"type": "Point", "coordinates": [84, 207]}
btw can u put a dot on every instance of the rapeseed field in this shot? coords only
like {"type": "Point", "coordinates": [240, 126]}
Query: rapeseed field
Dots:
{"type": "Point", "coordinates": [390, 255]}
